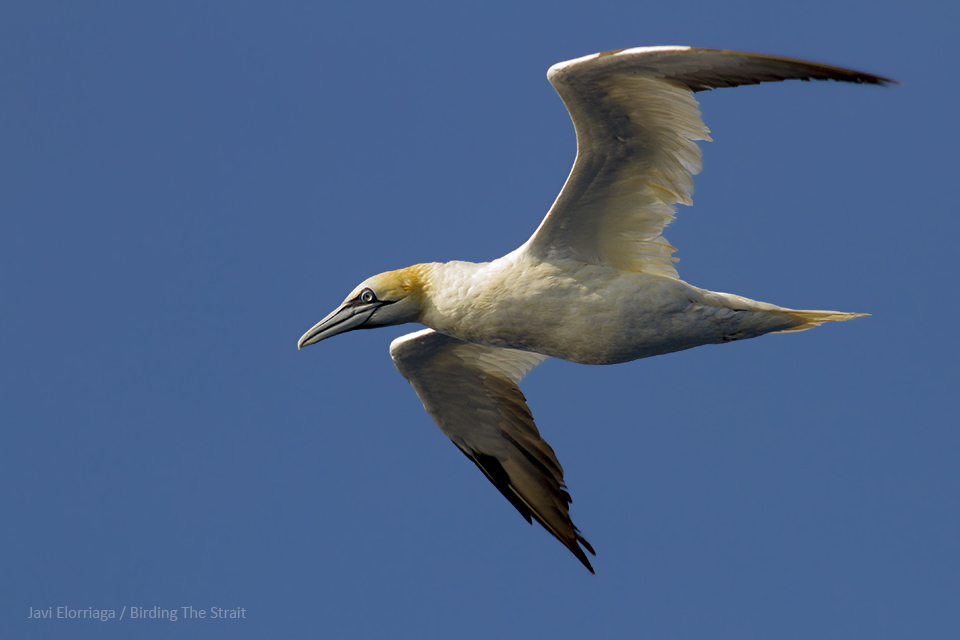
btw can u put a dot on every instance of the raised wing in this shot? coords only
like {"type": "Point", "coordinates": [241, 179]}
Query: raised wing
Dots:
{"type": "Point", "coordinates": [471, 392]}
{"type": "Point", "coordinates": [637, 124]}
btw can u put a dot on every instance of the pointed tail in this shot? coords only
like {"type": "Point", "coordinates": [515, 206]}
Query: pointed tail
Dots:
{"type": "Point", "coordinates": [809, 319]}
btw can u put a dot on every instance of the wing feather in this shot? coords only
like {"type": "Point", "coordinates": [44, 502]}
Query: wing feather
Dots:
{"type": "Point", "coordinates": [637, 125]}
{"type": "Point", "coordinates": [471, 391]}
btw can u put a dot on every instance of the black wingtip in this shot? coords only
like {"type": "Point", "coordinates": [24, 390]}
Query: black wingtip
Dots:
{"type": "Point", "coordinates": [585, 562]}
{"type": "Point", "coordinates": [577, 551]}
{"type": "Point", "coordinates": [586, 545]}
{"type": "Point", "coordinates": [498, 476]}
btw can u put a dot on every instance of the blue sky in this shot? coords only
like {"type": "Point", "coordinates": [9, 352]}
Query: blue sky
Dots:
{"type": "Point", "coordinates": [187, 188]}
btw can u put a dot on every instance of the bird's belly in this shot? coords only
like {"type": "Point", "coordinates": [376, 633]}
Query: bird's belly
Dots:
{"type": "Point", "coordinates": [633, 316]}
{"type": "Point", "coordinates": [609, 337]}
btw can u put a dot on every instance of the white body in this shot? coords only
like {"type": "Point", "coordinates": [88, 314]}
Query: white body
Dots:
{"type": "Point", "coordinates": [590, 314]}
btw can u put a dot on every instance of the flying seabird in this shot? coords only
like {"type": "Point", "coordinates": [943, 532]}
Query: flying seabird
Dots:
{"type": "Point", "coordinates": [595, 284]}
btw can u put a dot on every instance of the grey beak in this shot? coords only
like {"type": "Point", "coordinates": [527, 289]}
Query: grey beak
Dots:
{"type": "Point", "coordinates": [346, 317]}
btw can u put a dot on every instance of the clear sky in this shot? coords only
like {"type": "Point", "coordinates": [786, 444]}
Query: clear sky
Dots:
{"type": "Point", "coordinates": [187, 187]}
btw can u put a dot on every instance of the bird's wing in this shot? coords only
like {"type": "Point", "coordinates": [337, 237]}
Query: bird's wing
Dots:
{"type": "Point", "coordinates": [471, 392]}
{"type": "Point", "coordinates": [637, 124]}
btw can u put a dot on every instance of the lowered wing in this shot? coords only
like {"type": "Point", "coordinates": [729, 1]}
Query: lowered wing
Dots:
{"type": "Point", "coordinates": [471, 392]}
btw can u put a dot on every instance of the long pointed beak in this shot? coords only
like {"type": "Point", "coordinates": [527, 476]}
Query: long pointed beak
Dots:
{"type": "Point", "coordinates": [346, 317]}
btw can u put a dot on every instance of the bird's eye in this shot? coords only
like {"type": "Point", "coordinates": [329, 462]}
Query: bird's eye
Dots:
{"type": "Point", "coordinates": [367, 296]}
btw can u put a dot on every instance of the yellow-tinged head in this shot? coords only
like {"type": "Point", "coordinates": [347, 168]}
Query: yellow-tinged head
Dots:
{"type": "Point", "coordinates": [393, 297]}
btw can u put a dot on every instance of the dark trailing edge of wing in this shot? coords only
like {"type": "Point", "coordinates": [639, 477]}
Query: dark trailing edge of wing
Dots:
{"type": "Point", "coordinates": [499, 477]}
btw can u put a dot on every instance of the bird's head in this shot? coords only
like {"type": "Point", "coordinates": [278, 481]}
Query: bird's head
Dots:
{"type": "Point", "coordinates": [389, 298]}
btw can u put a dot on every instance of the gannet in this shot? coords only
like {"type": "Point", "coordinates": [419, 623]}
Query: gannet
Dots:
{"type": "Point", "coordinates": [595, 284]}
